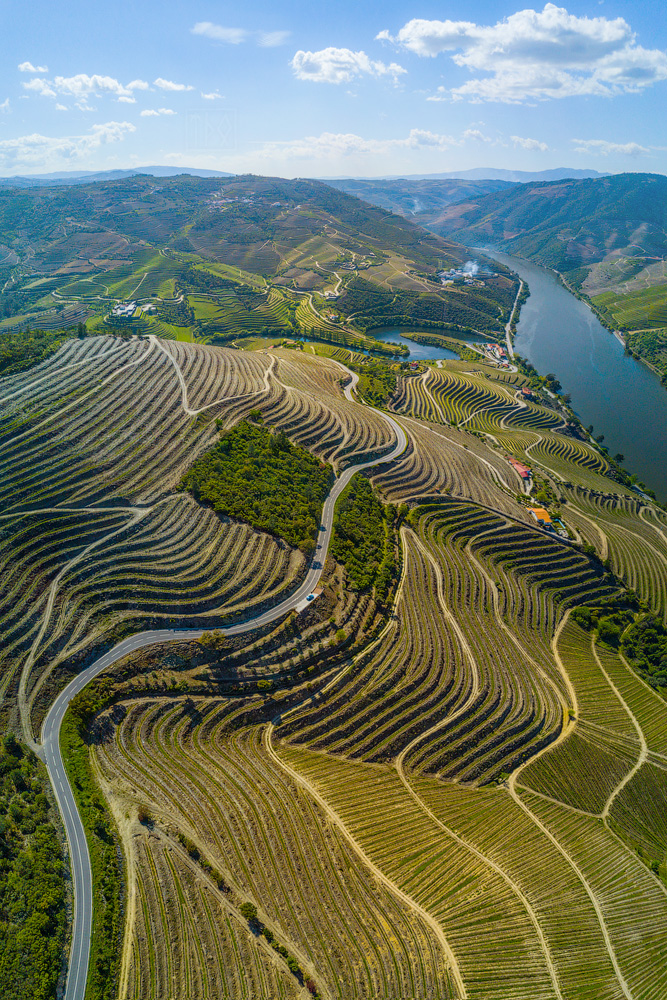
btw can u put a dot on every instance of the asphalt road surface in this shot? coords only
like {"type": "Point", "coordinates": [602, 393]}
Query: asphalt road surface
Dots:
{"type": "Point", "coordinates": [50, 748]}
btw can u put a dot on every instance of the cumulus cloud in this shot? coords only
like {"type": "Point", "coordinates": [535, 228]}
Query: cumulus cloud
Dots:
{"type": "Point", "coordinates": [334, 65]}
{"type": "Point", "coordinates": [82, 86]}
{"type": "Point", "coordinates": [5, 107]}
{"type": "Point", "coordinates": [476, 135]}
{"type": "Point", "coordinates": [170, 85]}
{"type": "Point", "coordinates": [537, 55]}
{"type": "Point", "coordinates": [604, 148]}
{"type": "Point", "coordinates": [42, 150]}
{"type": "Point", "coordinates": [329, 145]}
{"type": "Point", "coordinates": [156, 112]}
{"type": "Point", "coordinates": [40, 86]}
{"type": "Point", "coordinates": [27, 67]}
{"type": "Point", "coordinates": [213, 96]}
{"type": "Point", "coordinates": [530, 144]}
{"type": "Point", "coordinates": [219, 33]}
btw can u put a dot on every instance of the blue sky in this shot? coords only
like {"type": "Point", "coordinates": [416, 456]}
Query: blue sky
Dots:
{"type": "Point", "coordinates": [344, 88]}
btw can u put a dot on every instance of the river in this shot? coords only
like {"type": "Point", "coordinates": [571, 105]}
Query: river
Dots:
{"type": "Point", "coordinates": [618, 395]}
{"type": "Point", "coordinates": [621, 397]}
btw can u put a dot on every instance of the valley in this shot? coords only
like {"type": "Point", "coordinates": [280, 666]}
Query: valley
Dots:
{"type": "Point", "coordinates": [347, 670]}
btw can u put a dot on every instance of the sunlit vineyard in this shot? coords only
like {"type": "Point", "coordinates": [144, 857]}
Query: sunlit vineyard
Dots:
{"type": "Point", "coordinates": [458, 794]}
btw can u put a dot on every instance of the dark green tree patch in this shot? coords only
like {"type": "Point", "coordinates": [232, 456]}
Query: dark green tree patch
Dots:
{"type": "Point", "coordinates": [628, 624]}
{"type": "Point", "coordinates": [103, 843]}
{"type": "Point", "coordinates": [258, 476]}
{"type": "Point", "coordinates": [19, 351]}
{"type": "Point", "coordinates": [363, 540]}
{"type": "Point", "coordinates": [32, 881]}
{"type": "Point", "coordinates": [377, 382]}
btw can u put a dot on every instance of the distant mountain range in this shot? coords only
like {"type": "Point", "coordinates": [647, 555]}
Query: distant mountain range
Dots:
{"type": "Point", "coordinates": [421, 200]}
{"type": "Point", "coordinates": [569, 223]}
{"type": "Point", "coordinates": [91, 176]}
{"type": "Point", "coordinates": [479, 173]}
{"type": "Point", "coordinates": [485, 174]}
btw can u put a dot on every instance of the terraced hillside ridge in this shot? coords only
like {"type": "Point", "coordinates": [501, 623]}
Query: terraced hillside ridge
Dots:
{"type": "Point", "coordinates": [321, 807]}
{"type": "Point", "coordinates": [606, 236]}
{"type": "Point", "coordinates": [215, 259]}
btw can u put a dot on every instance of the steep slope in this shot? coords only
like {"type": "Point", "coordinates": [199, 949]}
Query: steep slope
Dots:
{"type": "Point", "coordinates": [569, 223]}
{"type": "Point", "coordinates": [417, 198]}
{"type": "Point", "coordinates": [607, 237]}
{"type": "Point", "coordinates": [224, 257]}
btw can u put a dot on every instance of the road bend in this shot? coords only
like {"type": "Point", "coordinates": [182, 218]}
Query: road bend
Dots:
{"type": "Point", "coordinates": [77, 974]}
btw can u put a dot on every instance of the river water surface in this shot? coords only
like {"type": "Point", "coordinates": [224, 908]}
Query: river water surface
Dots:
{"type": "Point", "coordinates": [620, 396]}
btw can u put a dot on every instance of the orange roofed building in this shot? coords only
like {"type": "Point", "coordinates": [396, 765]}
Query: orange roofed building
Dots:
{"type": "Point", "coordinates": [542, 517]}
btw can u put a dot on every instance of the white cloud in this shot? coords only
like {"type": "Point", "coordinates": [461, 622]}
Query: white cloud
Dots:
{"type": "Point", "coordinates": [529, 144]}
{"type": "Point", "coordinates": [123, 99]}
{"type": "Point", "coordinates": [476, 135]}
{"type": "Point", "coordinates": [40, 86]}
{"type": "Point", "coordinates": [41, 150]}
{"type": "Point", "coordinates": [271, 39]}
{"type": "Point", "coordinates": [604, 148]}
{"type": "Point", "coordinates": [213, 96]}
{"type": "Point", "coordinates": [83, 86]}
{"type": "Point", "coordinates": [155, 112]}
{"type": "Point", "coordinates": [170, 85]}
{"type": "Point", "coordinates": [235, 36]}
{"type": "Point", "coordinates": [61, 107]}
{"type": "Point", "coordinates": [330, 145]}
{"type": "Point", "coordinates": [232, 36]}
{"type": "Point", "coordinates": [333, 65]}
{"type": "Point", "coordinates": [5, 107]}
{"type": "Point", "coordinates": [537, 55]}
{"type": "Point", "coordinates": [27, 67]}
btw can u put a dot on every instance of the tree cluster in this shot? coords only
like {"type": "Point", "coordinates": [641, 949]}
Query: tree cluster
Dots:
{"type": "Point", "coordinates": [363, 540]}
{"type": "Point", "coordinates": [32, 881]}
{"type": "Point", "coordinates": [627, 624]}
{"type": "Point", "coordinates": [255, 475]}
{"type": "Point", "coordinates": [19, 351]}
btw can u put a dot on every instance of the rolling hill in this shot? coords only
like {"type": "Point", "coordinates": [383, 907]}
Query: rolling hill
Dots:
{"type": "Point", "coordinates": [606, 236]}
{"type": "Point", "coordinates": [420, 200]}
{"type": "Point", "coordinates": [228, 257]}
{"type": "Point", "coordinates": [568, 223]}
{"type": "Point", "coordinates": [317, 803]}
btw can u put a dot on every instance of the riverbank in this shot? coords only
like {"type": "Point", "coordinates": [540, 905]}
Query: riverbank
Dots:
{"type": "Point", "coordinates": [611, 392]}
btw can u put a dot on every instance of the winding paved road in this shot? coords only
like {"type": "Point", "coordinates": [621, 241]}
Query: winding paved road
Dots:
{"type": "Point", "coordinates": [50, 748]}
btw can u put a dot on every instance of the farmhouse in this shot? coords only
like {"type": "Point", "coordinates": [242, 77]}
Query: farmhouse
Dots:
{"type": "Point", "coordinates": [542, 517]}
{"type": "Point", "coordinates": [522, 469]}
{"type": "Point", "coordinates": [124, 309]}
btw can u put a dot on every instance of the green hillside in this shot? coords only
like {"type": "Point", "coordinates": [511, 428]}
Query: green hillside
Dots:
{"type": "Point", "coordinates": [214, 259]}
{"type": "Point", "coordinates": [419, 200]}
{"type": "Point", "coordinates": [607, 236]}
{"type": "Point", "coordinates": [571, 223]}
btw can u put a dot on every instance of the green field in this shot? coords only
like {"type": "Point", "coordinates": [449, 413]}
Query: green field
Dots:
{"type": "Point", "coordinates": [638, 310]}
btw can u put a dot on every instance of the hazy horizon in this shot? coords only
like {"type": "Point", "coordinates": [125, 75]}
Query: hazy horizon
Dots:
{"type": "Point", "coordinates": [352, 92]}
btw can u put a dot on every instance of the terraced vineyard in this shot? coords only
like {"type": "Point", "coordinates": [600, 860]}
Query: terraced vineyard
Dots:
{"type": "Point", "coordinates": [461, 795]}
{"type": "Point", "coordinates": [188, 259]}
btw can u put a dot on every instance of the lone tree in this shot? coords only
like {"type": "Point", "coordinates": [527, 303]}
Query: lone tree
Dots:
{"type": "Point", "coordinates": [249, 912]}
